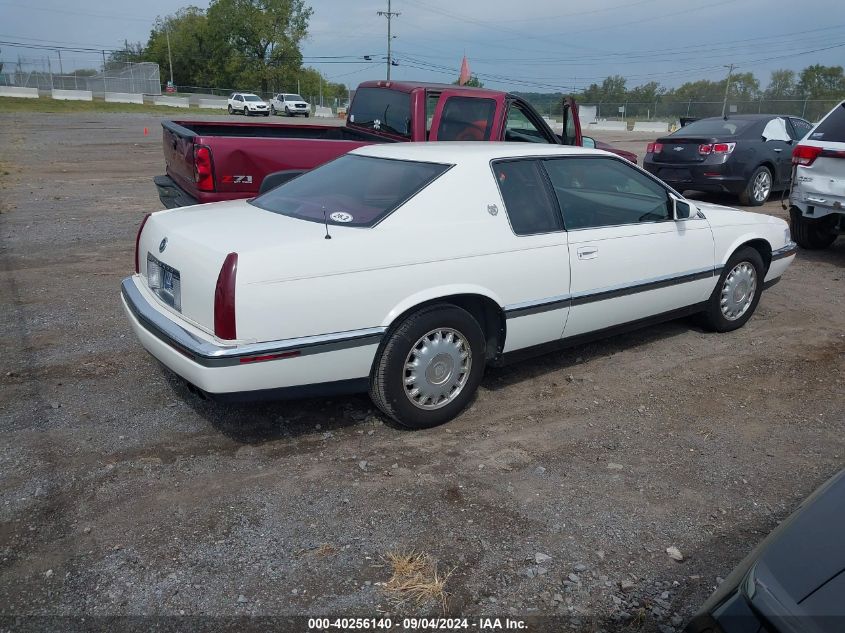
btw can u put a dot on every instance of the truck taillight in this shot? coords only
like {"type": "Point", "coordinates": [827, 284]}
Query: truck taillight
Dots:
{"type": "Point", "coordinates": [805, 155]}
{"type": "Point", "coordinates": [224, 299]}
{"type": "Point", "coordinates": [203, 168]}
{"type": "Point", "coordinates": [654, 148]}
{"type": "Point", "coordinates": [138, 243]}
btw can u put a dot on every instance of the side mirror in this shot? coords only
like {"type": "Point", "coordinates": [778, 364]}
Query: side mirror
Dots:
{"type": "Point", "coordinates": [681, 209]}
{"type": "Point", "coordinates": [588, 141]}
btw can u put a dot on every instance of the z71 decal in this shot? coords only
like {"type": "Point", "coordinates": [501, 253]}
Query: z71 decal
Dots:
{"type": "Point", "coordinates": [246, 180]}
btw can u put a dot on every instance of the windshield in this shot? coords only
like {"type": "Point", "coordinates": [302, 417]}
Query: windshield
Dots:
{"type": "Point", "coordinates": [293, 98]}
{"type": "Point", "coordinates": [350, 191]}
{"type": "Point", "coordinates": [382, 109]}
{"type": "Point", "coordinates": [714, 127]}
{"type": "Point", "coordinates": [251, 98]}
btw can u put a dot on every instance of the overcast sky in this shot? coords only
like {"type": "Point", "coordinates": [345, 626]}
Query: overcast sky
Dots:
{"type": "Point", "coordinates": [542, 45]}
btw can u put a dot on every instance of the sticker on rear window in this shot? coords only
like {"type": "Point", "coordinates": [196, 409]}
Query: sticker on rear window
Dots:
{"type": "Point", "coordinates": [341, 216]}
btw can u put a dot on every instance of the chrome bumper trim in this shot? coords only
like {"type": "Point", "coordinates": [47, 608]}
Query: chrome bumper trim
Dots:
{"type": "Point", "coordinates": [214, 354]}
{"type": "Point", "coordinates": [786, 251]}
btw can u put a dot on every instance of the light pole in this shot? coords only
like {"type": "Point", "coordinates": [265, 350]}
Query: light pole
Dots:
{"type": "Point", "coordinates": [727, 85]}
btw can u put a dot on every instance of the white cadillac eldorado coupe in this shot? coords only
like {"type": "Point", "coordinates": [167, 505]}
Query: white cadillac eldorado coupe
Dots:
{"type": "Point", "coordinates": [404, 269]}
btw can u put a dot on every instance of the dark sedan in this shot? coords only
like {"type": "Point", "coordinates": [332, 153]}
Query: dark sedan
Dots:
{"type": "Point", "coordinates": [793, 581]}
{"type": "Point", "coordinates": [748, 155]}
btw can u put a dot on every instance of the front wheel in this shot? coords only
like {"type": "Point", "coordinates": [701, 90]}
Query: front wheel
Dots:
{"type": "Point", "coordinates": [759, 187]}
{"type": "Point", "coordinates": [287, 111]}
{"type": "Point", "coordinates": [812, 233]}
{"type": "Point", "coordinates": [738, 292]}
{"type": "Point", "coordinates": [430, 367]}
{"type": "Point", "coordinates": [229, 108]}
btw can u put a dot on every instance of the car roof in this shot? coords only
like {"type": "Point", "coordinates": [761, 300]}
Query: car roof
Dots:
{"type": "Point", "coordinates": [751, 117]}
{"type": "Point", "coordinates": [452, 152]}
{"type": "Point", "coordinates": [409, 86]}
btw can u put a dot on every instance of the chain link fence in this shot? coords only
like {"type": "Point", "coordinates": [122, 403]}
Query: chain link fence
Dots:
{"type": "Point", "coordinates": [43, 74]}
{"type": "Point", "coordinates": [672, 111]}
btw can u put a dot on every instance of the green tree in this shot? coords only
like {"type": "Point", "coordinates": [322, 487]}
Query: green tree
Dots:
{"type": "Point", "coordinates": [744, 87]}
{"type": "Point", "coordinates": [130, 53]}
{"type": "Point", "coordinates": [474, 82]}
{"type": "Point", "coordinates": [821, 82]}
{"type": "Point", "coordinates": [190, 47]}
{"type": "Point", "coordinates": [781, 85]}
{"type": "Point", "coordinates": [256, 42]}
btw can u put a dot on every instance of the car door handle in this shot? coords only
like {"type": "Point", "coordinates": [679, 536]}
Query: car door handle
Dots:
{"type": "Point", "coordinates": [588, 252]}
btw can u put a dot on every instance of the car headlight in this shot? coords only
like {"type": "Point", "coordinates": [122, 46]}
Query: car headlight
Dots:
{"type": "Point", "coordinates": [787, 235]}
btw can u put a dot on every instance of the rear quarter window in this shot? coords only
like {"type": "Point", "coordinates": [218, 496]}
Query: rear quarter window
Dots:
{"type": "Point", "coordinates": [832, 127]}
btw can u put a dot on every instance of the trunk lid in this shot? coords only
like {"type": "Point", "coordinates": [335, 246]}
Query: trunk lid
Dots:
{"type": "Point", "coordinates": [681, 150]}
{"type": "Point", "coordinates": [192, 243]}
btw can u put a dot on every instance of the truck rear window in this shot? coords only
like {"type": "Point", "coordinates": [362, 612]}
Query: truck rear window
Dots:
{"type": "Point", "coordinates": [382, 109]}
{"type": "Point", "coordinates": [351, 191]}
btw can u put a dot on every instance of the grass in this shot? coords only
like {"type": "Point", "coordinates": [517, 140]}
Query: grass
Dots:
{"type": "Point", "coordinates": [416, 579]}
{"type": "Point", "coordinates": [55, 106]}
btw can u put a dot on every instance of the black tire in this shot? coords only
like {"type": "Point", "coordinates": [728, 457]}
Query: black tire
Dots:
{"type": "Point", "coordinates": [266, 114]}
{"type": "Point", "coordinates": [810, 233]}
{"type": "Point", "coordinates": [272, 109]}
{"type": "Point", "coordinates": [714, 318]}
{"type": "Point", "coordinates": [307, 114]}
{"type": "Point", "coordinates": [287, 111]}
{"type": "Point", "coordinates": [387, 382]}
{"type": "Point", "coordinates": [230, 109]}
{"type": "Point", "coordinates": [747, 197]}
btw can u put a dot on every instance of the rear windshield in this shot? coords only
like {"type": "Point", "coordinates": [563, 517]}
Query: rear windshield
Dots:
{"type": "Point", "coordinates": [350, 191]}
{"type": "Point", "coordinates": [382, 109]}
{"type": "Point", "coordinates": [832, 128]}
{"type": "Point", "coordinates": [251, 98]}
{"type": "Point", "coordinates": [714, 127]}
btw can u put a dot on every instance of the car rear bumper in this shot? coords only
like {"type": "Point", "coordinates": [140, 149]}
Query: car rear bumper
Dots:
{"type": "Point", "coordinates": [700, 177]}
{"type": "Point", "coordinates": [171, 195]}
{"type": "Point", "coordinates": [311, 365]}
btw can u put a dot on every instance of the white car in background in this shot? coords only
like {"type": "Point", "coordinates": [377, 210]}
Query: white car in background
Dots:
{"type": "Point", "coordinates": [817, 198]}
{"type": "Point", "coordinates": [248, 104]}
{"type": "Point", "coordinates": [404, 269]}
{"type": "Point", "coordinates": [290, 105]}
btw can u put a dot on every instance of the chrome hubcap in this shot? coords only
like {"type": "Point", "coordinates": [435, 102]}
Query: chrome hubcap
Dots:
{"type": "Point", "coordinates": [762, 186]}
{"type": "Point", "coordinates": [738, 291]}
{"type": "Point", "coordinates": [437, 368]}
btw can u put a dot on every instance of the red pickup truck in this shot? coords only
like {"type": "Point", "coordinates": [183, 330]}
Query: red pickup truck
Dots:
{"type": "Point", "coordinates": [208, 161]}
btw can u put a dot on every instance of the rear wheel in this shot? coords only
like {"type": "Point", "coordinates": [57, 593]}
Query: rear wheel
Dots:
{"type": "Point", "coordinates": [430, 367]}
{"type": "Point", "coordinates": [272, 109]}
{"type": "Point", "coordinates": [758, 188]}
{"type": "Point", "coordinates": [812, 233]}
{"type": "Point", "coordinates": [738, 292]}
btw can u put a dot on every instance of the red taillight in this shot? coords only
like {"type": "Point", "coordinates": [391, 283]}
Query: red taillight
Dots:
{"type": "Point", "coordinates": [654, 148]}
{"type": "Point", "coordinates": [705, 149]}
{"type": "Point", "coordinates": [805, 155]}
{"type": "Point", "coordinates": [203, 168]}
{"type": "Point", "coordinates": [224, 299]}
{"type": "Point", "coordinates": [138, 243]}
{"type": "Point", "coordinates": [723, 148]}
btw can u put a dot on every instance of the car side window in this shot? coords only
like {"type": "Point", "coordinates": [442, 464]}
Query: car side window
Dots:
{"type": "Point", "coordinates": [528, 201]}
{"type": "Point", "coordinates": [519, 128]}
{"type": "Point", "coordinates": [466, 119]}
{"type": "Point", "coordinates": [802, 128]}
{"type": "Point", "coordinates": [596, 192]}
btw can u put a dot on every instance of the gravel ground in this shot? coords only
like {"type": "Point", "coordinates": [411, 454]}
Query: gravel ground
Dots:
{"type": "Point", "coordinates": [555, 495]}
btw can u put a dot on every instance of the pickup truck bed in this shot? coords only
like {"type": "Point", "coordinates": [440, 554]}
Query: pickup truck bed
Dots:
{"type": "Point", "coordinates": [237, 168]}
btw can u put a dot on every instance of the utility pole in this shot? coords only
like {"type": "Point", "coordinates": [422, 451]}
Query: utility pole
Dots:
{"type": "Point", "coordinates": [169, 57]}
{"type": "Point", "coordinates": [61, 70]}
{"type": "Point", "coordinates": [727, 85]}
{"type": "Point", "coordinates": [389, 15]}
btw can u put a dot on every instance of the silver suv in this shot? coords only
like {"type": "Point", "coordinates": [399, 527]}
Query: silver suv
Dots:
{"type": "Point", "coordinates": [817, 199]}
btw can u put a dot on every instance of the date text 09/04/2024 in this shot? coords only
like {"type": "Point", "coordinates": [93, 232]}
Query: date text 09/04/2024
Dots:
{"type": "Point", "coordinates": [415, 624]}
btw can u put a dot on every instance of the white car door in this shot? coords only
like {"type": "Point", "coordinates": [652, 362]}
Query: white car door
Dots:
{"type": "Point", "coordinates": [629, 259]}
